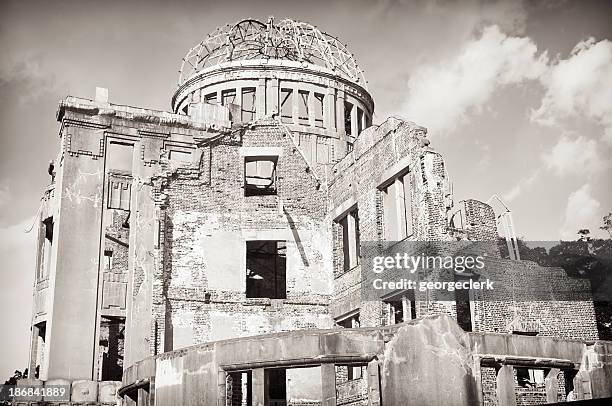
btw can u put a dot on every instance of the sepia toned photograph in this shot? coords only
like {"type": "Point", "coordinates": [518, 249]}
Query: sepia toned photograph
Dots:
{"type": "Point", "coordinates": [305, 203]}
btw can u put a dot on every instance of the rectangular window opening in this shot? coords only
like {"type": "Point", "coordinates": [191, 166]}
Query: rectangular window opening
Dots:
{"type": "Point", "coordinates": [239, 388]}
{"type": "Point", "coordinates": [350, 239]}
{"type": "Point", "coordinates": [248, 104]}
{"type": "Point", "coordinates": [260, 176]}
{"type": "Point", "coordinates": [286, 105]}
{"type": "Point", "coordinates": [318, 106]}
{"type": "Point", "coordinates": [111, 345]}
{"type": "Point", "coordinates": [266, 269]}
{"type": "Point", "coordinates": [179, 156]}
{"type": "Point", "coordinates": [303, 107]}
{"type": "Point", "coordinates": [530, 377]}
{"type": "Point", "coordinates": [120, 157]}
{"type": "Point", "coordinates": [348, 109]}
{"type": "Point", "coordinates": [228, 96]}
{"type": "Point", "coordinates": [360, 122]}
{"type": "Point", "coordinates": [108, 260]}
{"type": "Point", "coordinates": [211, 98]}
{"type": "Point", "coordinates": [397, 208]}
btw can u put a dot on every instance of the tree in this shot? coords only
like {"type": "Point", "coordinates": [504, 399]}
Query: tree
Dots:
{"type": "Point", "coordinates": [607, 226]}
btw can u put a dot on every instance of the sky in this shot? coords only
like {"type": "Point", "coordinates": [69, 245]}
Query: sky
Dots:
{"type": "Point", "coordinates": [517, 96]}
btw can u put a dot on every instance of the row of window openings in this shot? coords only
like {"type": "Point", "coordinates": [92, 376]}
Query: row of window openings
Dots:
{"type": "Point", "coordinates": [304, 107]}
{"type": "Point", "coordinates": [397, 216]}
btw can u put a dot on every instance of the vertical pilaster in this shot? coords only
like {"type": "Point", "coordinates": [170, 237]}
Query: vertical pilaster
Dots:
{"type": "Point", "coordinates": [272, 99]}
{"type": "Point", "coordinates": [328, 384]}
{"type": "Point", "coordinates": [261, 98]}
{"type": "Point", "coordinates": [506, 395]}
{"type": "Point", "coordinates": [259, 387]}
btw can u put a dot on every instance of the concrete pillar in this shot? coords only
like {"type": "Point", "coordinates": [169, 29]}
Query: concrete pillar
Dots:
{"type": "Point", "coordinates": [328, 385]}
{"type": "Point", "coordinates": [552, 385]}
{"type": "Point", "coordinates": [354, 123]}
{"type": "Point", "coordinates": [506, 395]}
{"type": "Point", "coordinates": [329, 107]}
{"type": "Point", "coordinates": [340, 115]}
{"type": "Point", "coordinates": [296, 105]}
{"type": "Point", "coordinates": [373, 384]}
{"type": "Point", "coordinates": [272, 99]}
{"type": "Point", "coordinates": [261, 98]}
{"type": "Point", "coordinates": [311, 109]}
{"type": "Point", "coordinates": [259, 387]}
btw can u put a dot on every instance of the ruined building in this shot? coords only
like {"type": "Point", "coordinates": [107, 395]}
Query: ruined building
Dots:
{"type": "Point", "coordinates": [211, 254]}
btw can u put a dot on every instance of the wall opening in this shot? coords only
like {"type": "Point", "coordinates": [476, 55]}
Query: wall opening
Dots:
{"type": "Point", "coordinates": [318, 109]}
{"type": "Point", "coordinates": [286, 98]}
{"type": "Point", "coordinates": [120, 156]}
{"type": "Point", "coordinates": [248, 104]}
{"type": "Point", "coordinates": [463, 306]}
{"type": "Point", "coordinates": [399, 308]}
{"type": "Point", "coordinates": [39, 331]}
{"type": "Point", "coordinates": [239, 388]}
{"type": "Point", "coordinates": [47, 225]}
{"type": "Point", "coordinates": [303, 107]}
{"type": "Point", "coordinates": [397, 208]}
{"type": "Point", "coordinates": [266, 263]}
{"type": "Point", "coordinates": [228, 96]}
{"type": "Point", "coordinates": [260, 175]}
{"type": "Point", "coordinates": [111, 345]}
{"type": "Point", "coordinates": [350, 239]}
{"type": "Point", "coordinates": [348, 111]}
{"type": "Point", "coordinates": [276, 382]}
{"type": "Point", "coordinates": [211, 98]}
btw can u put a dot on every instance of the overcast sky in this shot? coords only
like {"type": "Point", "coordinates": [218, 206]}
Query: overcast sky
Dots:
{"type": "Point", "coordinates": [517, 96]}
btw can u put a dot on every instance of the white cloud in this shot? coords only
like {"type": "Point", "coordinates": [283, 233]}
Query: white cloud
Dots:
{"type": "Point", "coordinates": [582, 211]}
{"type": "Point", "coordinates": [441, 96]}
{"type": "Point", "coordinates": [578, 156]}
{"type": "Point", "coordinates": [520, 187]}
{"type": "Point", "coordinates": [580, 86]}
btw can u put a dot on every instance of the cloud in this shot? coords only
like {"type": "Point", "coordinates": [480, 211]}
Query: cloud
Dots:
{"type": "Point", "coordinates": [520, 187]}
{"type": "Point", "coordinates": [27, 78]}
{"type": "Point", "coordinates": [582, 211]}
{"type": "Point", "coordinates": [441, 96]}
{"type": "Point", "coordinates": [578, 156]}
{"type": "Point", "coordinates": [580, 86]}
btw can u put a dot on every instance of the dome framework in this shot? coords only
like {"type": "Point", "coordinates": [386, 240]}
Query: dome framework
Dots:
{"type": "Point", "coordinates": [286, 40]}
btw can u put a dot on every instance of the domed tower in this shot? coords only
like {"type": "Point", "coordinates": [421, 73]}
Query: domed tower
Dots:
{"type": "Point", "coordinates": [287, 70]}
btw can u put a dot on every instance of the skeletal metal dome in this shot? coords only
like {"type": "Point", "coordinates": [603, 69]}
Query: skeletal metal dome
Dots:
{"type": "Point", "coordinates": [285, 40]}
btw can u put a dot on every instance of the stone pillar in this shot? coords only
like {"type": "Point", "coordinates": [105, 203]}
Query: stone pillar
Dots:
{"type": "Point", "coordinates": [328, 385]}
{"type": "Point", "coordinates": [354, 123]}
{"type": "Point", "coordinates": [506, 395]}
{"type": "Point", "coordinates": [272, 99]}
{"type": "Point", "coordinates": [259, 387]}
{"type": "Point", "coordinates": [311, 109]}
{"type": "Point", "coordinates": [296, 105]}
{"type": "Point", "coordinates": [341, 144]}
{"type": "Point", "coordinates": [260, 98]}
{"type": "Point", "coordinates": [329, 107]}
{"type": "Point", "coordinates": [373, 383]}
{"type": "Point", "coordinates": [552, 385]}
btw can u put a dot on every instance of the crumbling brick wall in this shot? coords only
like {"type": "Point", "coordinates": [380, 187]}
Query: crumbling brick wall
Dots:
{"type": "Point", "coordinates": [207, 221]}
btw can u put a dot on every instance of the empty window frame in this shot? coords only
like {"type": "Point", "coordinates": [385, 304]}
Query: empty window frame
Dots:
{"type": "Point", "coordinates": [286, 102]}
{"type": "Point", "coordinates": [248, 104]}
{"type": "Point", "coordinates": [120, 156]}
{"type": "Point", "coordinates": [360, 122]}
{"type": "Point", "coordinates": [266, 263]}
{"type": "Point", "coordinates": [397, 207]}
{"type": "Point", "coordinates": [350, 239]}
{"type": "Point", "coordinates": [108, 260]}
{"type": "Point", "coordinates": [260, 175]}
{"type": "Point", "coordinates": [211, 98]}
{"type": "Point", "coordinates": [400, 308]}
{"type": "Point", "coordinates": [47, 245]}
{"type": "Point", "coordinates": [530, 378]}
{"type": "Point", "coordinates": [319, 100]}
{"type": "Point", "coordinates": [179, 156]}
{"type": "Point", "coordinates": [228, 96]}
{"type": "Point", "coordinates": [303, 107]}
{"type": "Point", "coordinates": [348, 110]}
